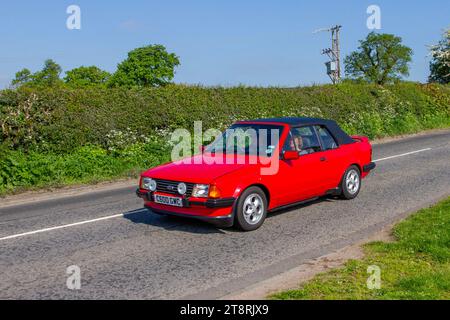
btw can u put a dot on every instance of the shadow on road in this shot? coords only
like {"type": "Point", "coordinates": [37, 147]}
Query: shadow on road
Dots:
{"type": "Point", "coordinates": [170, 223]}
{"type": "Point", "coordinates": [303, 205]}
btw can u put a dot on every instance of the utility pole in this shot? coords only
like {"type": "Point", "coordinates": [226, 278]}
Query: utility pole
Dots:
{"type": "Point", "coordinates": [334, 53]}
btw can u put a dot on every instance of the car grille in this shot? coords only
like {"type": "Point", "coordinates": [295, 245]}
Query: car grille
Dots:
{"type": "Point", "coordinates": [168, 186]}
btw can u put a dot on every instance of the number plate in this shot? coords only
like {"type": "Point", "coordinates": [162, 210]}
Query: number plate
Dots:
{"type": "Point", "coordinates": [170, 201]}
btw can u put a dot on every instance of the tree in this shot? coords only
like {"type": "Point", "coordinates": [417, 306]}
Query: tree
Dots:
{"type": "Point", "coordinates": [22, 77]}
{"type": "Point", "coordinates": [380, 58]}
{"type": "Point", "coordinates": [86, 76]}
{"type": "Point", "coordinates": [440, 62]}
{"type": "Point", "coordinates": [148, 66]}
{"type": "Point", "coordinates": [49, 75]}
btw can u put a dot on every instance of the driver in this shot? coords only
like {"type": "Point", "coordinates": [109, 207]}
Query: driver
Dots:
{"type": "Point", "coordinates": [296, 143]}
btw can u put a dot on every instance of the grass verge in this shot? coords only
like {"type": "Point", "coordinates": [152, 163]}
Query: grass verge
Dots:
{"type": "Point", "coordinates": [415, 266]}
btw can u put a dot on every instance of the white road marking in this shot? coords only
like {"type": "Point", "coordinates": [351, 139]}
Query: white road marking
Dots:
{"type": "Point", "coordinates": [402, 155]}
{"type": "Point", "coordinates": [61, 227]}
{"type": "Point", "coordinates": [122, 214]}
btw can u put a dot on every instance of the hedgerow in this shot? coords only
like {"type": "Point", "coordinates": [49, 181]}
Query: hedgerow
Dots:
{"type": "Point", "coordinates": [70, 134]}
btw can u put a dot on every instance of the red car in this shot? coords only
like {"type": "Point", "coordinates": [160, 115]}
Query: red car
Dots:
{"type": "Point", "coordinates": [233, 183]}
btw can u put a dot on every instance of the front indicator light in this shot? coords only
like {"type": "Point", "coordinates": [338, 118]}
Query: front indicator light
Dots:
{"type": "Point", "coordinates": [214, 192]}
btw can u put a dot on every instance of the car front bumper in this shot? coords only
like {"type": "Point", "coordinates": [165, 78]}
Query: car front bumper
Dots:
{"type": "Point", "coordinates": [216, 211]}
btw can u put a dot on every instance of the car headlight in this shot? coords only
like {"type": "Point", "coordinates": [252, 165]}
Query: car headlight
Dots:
{"type": "Point", "coordinates": [200, 191]}
{"type": "Point", "coordinates": [148, 184]}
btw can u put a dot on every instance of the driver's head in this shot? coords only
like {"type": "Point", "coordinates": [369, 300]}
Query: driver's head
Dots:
{"type": "Point", "coordinates": [297, 143]}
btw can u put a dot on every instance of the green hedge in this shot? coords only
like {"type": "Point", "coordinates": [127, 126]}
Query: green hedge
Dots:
{"type": "Point", "coordinates": [61, 135]}
{"type": "Point", "coordinates": [89, 164]}
{"type": "Point", "coordinates": [63, 119]}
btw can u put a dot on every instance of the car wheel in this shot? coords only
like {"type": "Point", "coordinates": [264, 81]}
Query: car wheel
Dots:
{"type": "Point", "coordinates": [251, 209]}
{"type": "Point", "coordinates": [351, 183]}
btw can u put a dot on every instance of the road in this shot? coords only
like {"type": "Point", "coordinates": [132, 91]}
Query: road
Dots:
{"type": "Point", "coordinates": [132, 254]}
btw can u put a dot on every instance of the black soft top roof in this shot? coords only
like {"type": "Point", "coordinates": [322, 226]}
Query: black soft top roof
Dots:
{"type": "Point", "coordinates": [335, 130]}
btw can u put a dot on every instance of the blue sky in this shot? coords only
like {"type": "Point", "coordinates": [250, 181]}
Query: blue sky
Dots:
{"type": "Point", "coordinates": [251, 42]}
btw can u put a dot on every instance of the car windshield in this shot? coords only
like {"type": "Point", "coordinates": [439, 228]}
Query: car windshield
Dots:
{"type": "Point", "coordinates": [247, 139]}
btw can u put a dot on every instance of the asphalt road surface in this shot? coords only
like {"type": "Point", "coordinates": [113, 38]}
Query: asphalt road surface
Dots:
{"type": "Point", "coordinates": [132, 254]}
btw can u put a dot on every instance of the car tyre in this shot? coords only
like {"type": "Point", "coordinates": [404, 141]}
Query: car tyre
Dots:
{"type": "Point", "coordinates": [251, 209]}
{"type": "Point", "coordinates": [351, 183]}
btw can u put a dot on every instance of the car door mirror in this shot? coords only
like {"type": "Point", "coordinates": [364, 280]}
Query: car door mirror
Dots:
{"type": "Point", "coordinates": [290, 155]}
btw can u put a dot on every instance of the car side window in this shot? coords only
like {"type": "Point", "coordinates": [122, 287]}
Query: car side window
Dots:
{"type": "Point", "coordinates": [302, 139]}
{"type": "Point", "coordinates": [328, 141]}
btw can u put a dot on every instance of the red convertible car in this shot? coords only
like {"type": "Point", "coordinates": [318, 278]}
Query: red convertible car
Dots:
{"type": "Point", "coordinates": [239, 183]}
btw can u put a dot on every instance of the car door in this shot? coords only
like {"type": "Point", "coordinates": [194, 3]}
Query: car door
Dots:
{"type": "Point", "coordinates": [332, 157]}
{"type": "Point", "coordinates": [301, 177]}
